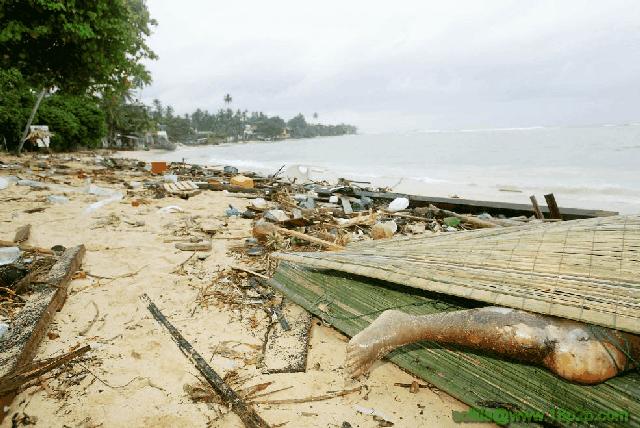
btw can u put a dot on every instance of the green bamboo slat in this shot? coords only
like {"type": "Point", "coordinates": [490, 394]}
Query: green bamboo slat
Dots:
{"type": "Point", "coordinates": [350, 303]}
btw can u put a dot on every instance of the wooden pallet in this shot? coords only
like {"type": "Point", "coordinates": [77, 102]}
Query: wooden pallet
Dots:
{"type": "Point", "coordinates": [183, 189]}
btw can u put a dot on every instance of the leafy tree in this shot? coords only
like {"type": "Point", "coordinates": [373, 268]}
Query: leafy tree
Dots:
{"type": "Point", "coordinates": [75, 46]}
{"type": "Point", "coordinates": [271, 127]}
{"type": "Point", "coordinates": [15, 95]}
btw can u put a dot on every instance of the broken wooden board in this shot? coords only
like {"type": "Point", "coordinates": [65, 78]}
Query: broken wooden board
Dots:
{"type": "Point", "coordinates": [286, 350]}
{"type": "Point", "coordinates": [182, 188]}
{"type": "Point", "coordinates": [19, 345]}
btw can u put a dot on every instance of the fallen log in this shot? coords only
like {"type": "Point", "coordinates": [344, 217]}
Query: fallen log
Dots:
{"type": "Point", "coordinates": [246, 413]}
{"type": "Point", "coordinates": [465, 218]}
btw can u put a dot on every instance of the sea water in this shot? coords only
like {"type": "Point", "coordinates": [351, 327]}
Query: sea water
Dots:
{"type": "Point", "coordinates": [585, 167]}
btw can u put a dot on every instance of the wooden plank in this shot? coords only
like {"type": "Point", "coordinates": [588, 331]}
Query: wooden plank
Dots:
{"type": "Point", "coordinates": [20, 344]}
{"type": "Point", "coordinates": [286, 350]}
{"type": "Point", "coordinates": [22, 234]}
{"type": "Point", "coordinates": [553, 206]}
{"type": "Point", "coordinates": [536, 207]}
{"type": "Point", "coordinates": [469, 206]}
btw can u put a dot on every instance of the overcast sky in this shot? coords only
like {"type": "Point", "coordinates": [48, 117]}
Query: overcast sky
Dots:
{"type": "Point", "coordinates": [403, 65]}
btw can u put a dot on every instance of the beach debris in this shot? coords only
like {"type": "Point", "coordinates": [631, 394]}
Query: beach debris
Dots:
{"type": "Point", "coordinates": [246, 413]}
{"type": "Point", "coordinates": [32, 183]}
{"type": "Point", "coordinates": [182, 189]}
{"type": "Point", "coordinates": [194, 246]}
{"type": "Point", "coordinates": [378, 416]}
{"type": "Point", "coordinates": [230, 170]}
{"type": "Point", "coordinates": [57, 199]}
{"type": "Point", "coordinates": [242, 181]}
{"type": "Point", "coordinates": [4, 183]}
{"type": "Point", "coordinates": [97, 205]}
{"type": "Point", "coordinates": [398, 204]}
{"type": "Point", "coordinates": [333, 199]}
{"type": "Point", "coordinates": [286, 346]}
{"type": "Point", "coordinates": [258, 204]}
{"type": "Point", "coordinates": [170, 178]}
{"type": "Point", "coordinates": [232, 211]}
{"type": "Point", "coordinates": [536, 207]}
{"type": "Point", "coordinates": [328, 396]}
{"type": "Point", "coordinates": [554, 211]}
{"type": "Point", "coordinates": [9, 255]}
{"type": "Point", "coordinates": [384, 230]}
{"type": "Point", "coordinates": [159, 167]}
{"type": "Point", "coordinates": [22, 234]}
{"type": "Point", "coordinates": [4, 327]}
{"type": "Point", "coordinates": [276, 216]}
{"type": "Point", "coordinates": [452, 221]}
{"type": "Point", "coordinates": [170, 209]}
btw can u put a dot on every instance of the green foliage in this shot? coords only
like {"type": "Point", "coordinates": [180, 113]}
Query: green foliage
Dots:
{"type": "Point", "coordinates": [75, 45]}
{"type": "Point", "coordinates": [15, 97]}
{"type": "Point", "coordinates": [123, 114]}
{"type": "Point", "coordinates": [75, 120]}
{"type": "Point", "coordinates": [299, 128]}
{"type": "Point", "coordinates": [271, 127]}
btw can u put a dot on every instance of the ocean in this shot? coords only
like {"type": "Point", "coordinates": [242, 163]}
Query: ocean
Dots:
{"type": "Point", "coordinates": [585, 167]}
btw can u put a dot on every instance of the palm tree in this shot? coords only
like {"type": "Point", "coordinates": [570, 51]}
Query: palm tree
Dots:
{"type": "Point", "coordinates": [227, 99]}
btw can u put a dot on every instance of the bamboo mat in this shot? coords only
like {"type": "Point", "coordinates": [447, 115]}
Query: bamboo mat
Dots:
{"type": "Point", "coordinates": [351, 303]}
{"type": "Point", "coordinates": [586, 270]}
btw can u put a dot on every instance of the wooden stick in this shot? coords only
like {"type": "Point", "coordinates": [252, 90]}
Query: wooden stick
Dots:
{"type": "Point", "coordinates": [243, 269]}
{"type": "Point", "coordinates": [308, 238]}
{"type": "Point", "coordinates": [536, 207]}
{"type": "Point", "coordinates": [465, 218]}
{"type": "Point", "coordinates": [26, 247]}
{"type": "Point", "coordinates": [36, 369]}
{"type": "Point", "coordinates": [246, 413]}
{"type": "Point", "coordinates": [22, 234]}
{"type": "Point", "coordinates": [553, 206]}
{"type": "Point", "coordinates": [309, 399]}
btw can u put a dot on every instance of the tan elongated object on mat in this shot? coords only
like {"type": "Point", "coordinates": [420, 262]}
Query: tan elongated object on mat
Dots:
{"type": "Point", "coordinates": [575, 351]}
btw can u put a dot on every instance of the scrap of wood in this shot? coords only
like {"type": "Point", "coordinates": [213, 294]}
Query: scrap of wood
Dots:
{"type": "Point", "coordinates": [22, 234]}
{"type": "Point", "coordinates": [346, 205]}
{"type": "Point", "coordinates": [465, 218]}
{"type": "Point", "coordinates": [21, 342]}
{"type": "Point", "coordinates": [309, 238]}
{"type": "Point", "coordinates": [38, 368]}
{"type": "Point", "coordinates": [553, 206]}
{"type": "Point", "coordinates": [536, 207]}
{"type": "Point", "coordinates": [246, 413]}
{"type": "Point", "coordinates": [310, 399]}
{"type": "Point", "coordinates": [26, 247]}
{"type": "Point", "coordinates": [193, 246]}
{"type": "Point", "coordinates": [286, 349]}
{"type": "Point", "coordinates": [249, 271]}
{"type": "Point", "coordinates": [361, 220]}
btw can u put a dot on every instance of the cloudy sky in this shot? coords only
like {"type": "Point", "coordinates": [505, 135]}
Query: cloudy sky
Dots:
{"type": "Point", "coordinates": [403, 65]}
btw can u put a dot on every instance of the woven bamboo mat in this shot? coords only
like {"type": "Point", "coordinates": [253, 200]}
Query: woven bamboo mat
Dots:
{"type": "Point", "coordinates": [350, 303]}
{"type": "Point", "coordinates": [586, 270]}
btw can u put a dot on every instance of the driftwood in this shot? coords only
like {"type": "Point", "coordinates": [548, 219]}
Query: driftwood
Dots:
{"type": "Point", "coordinates": [246, 413]}
{"type": "Point", "coordinates": [26, 247]}
{"type": "Point", "coordinates": [323, 397]}
{"type": "Point", "coordinates": [22, 234]}
{"type": "Point", "coordinates": [553, 206]}
{"type": "Point", "coordinates": [536, 207]}
{"type": "Point", "coordinates": [36, 369]}
{"type": "Point", "coordinates": [465, 218]}
{"type": "Point", "coordinates": [29, 326]}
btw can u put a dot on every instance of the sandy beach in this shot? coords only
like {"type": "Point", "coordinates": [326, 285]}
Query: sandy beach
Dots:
{"type": "Point", "coordinates": [134, 374]}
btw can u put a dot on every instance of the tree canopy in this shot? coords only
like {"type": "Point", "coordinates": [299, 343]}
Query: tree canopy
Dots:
{"type": "Point", "coordinates": [75, 45]}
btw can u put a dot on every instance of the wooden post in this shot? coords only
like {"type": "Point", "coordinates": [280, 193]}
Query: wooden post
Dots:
{"type": "Point", "coordinates": [536, 207]}
{"type": "Point", "coordinates": [553, 207]}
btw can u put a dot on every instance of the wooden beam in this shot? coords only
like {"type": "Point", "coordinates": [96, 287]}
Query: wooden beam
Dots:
{"type": "Point", "coordinates": [20, 343]}
{"type": "Point", "coordinates": [469, 206]}
{"type": "Point", "coordinates": [536, 207]}
{"type": "Point", "coordinates": [246, 413]}
{"type": "Point", "coordinates": [553, 206]}
{"type": "Point", "coordinates": [25, 247]}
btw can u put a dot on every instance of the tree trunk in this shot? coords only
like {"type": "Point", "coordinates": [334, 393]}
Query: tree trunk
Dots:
{"type": "Point", "coordinates": [33, 114]}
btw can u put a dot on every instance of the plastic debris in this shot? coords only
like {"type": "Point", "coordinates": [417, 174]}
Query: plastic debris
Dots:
{"type": "Point", "coordinates": [170, 209]}
{"type": "Point", "coordinates": [57, 199]}
{"type": "Point", "coordinates": [451, 221]}
{"type": "Point", "coordinates": [398, 204]}
{"type": "Point", "coordinates": [258, 203]}
{"type": "Point", "coordinates": [384, 230]}
{"type": "Point", "coordinates": [249, 214]}
{"type": "Point", "coordinates": [4, 327]}
{"type": "Point", "coordinates": [159, 167]}
{"type": "Point", "coordinates": [276, 216]}
{"type": "Point", "coordinates": [170, 178]}
{"type": "Point", "coordinates": [32, 183]}
{"type": "Point", "coordinates": [333, 199]}
{"type": "Point", "coordinates": [4, 183]}
{"type": "Point", "coordinates": [230, 170]}
{"type": "Point", "coordinates": [9, 255]}
{"type": "Point", "coordinates": [232, 211]}
{"type": "Point", "coordinates": [97, 205]}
